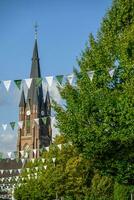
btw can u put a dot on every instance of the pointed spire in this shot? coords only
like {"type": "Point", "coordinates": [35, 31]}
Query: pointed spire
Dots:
{"type": "Point", "coordinates": [35, 69]}
{"type": "Point", "coordinates": [22, 100]}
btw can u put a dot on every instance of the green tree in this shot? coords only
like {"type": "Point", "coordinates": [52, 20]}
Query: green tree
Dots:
{"type": "Point", "coordinates": [69, 176]}
{"type": "Point", "coordinates": [99, 114]}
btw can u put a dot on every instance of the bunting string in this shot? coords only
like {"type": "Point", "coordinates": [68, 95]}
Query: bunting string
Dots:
{"type": "Point", "coordinates": [60, 79]}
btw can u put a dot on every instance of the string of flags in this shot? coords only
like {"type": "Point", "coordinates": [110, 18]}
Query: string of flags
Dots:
{"type": "Point", "coordinates": [49, 79]}
{"type": "Point", "coordinates": [25, 153]}
{"type": "Point", "coordinates": [38, 81]}
{"type": "Point", "coordinates": [12, 178]}
{"type": "Point", "coordinates": [19, 124]}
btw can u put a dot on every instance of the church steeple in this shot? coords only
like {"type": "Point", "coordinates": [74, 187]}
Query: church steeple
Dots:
{"type": "Point", "coordinates": [35, 69]}
{"type": "Point", "coordinates": [33, 135]}
{"type": "Point", "coordinates": [35, 93]}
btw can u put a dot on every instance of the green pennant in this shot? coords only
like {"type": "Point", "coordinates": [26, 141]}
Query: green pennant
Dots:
{"type": "Point", "coordinates": [60, 79]}
{"type": "Point", "coordinates": [38, 82]}
{"type": "Point", "coordinates": [15, 154]}
{"type": "Point", "coordinates": [42, 149]}
{"type": "Point", "coordinates": [12, 124]}
{"type": "Point", "coordinates": [18, 83]}
{"type": "Point", "coordinates": [44, 119]}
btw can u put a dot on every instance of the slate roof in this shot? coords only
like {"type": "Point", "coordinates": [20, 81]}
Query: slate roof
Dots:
{"type": "Point", "coordinates": [7, 164]}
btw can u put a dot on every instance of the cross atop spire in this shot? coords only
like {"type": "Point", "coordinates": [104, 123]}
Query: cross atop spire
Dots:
{"type": "Point", "coordinates": [36, 30]}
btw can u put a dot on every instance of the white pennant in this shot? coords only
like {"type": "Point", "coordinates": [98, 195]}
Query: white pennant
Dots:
{"type": "Point", "coordinates": [16, 178]}
{"type": "Point", "coordinates": [49, 80]}
{"type": "Point", "coordinates": [10, 171]}
{"type": "Point", "coordinates": [7, 84]}
{"type": "Point", "coordinates": [47, 148]}
{"type": "Point", "coordinates": [9, 179]}
{"type": "Point", "coordinates": [32, 160]}
{"type": "Point", "coordinates": [45, 167]}
{"type": "Point", "coordinates": [36, 168]}
{"type": "Point", "coordinates": [59, 145]}
{"type": "Point", "coordinates": [70, 78]}
{"type": "Point", "coordinates": [111, 72]}
{"type": "Point", "coordinates": [90, 75]}
{"type": "Point", "coordinates": [26, 154]}
{"type": "Point", "coordinates": [34, 151]}
{"type": "Point", "coordinates": [43, 160]}
{"type": "Point", "coordinates": [20, 124]}
{"type": "Point", "coordinates": [1, 171]}
{"type": "Point", "coordinates": [37, 121]}
{"type": "Point", "coordinates": [53, 159]}
{"type": "Point", "coordinates": [19, 170]}
{"type": "Point", "coordinates": [28, 82]}
{"type": "Point", "coordinates": [22, 153]}
{"type": "Point", "coordinates": [9, 154]}
{"type": "Point", "coordinates": [4, 126]}
{"type": "Point", "coordinates": [27, 169]}
{"type": "Point", "coordinates": [22, 160]}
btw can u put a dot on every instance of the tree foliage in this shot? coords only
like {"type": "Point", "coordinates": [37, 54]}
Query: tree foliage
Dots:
{"type": "Point", "coordinates": [71, 177]}
{"type": "Point", "coordinates": [99, 114]}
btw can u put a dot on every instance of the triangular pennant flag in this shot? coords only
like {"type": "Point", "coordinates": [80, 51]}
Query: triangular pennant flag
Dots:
{"type": "Point", "coordinates": [90, 75]}
{"type": "Point", "coordinates": [9, 154]}
{"type": "Point", "coordinates": [49, 80]}
{"type": "Point", "coordinates": [44, 119]}
{"type": "Point", "coordinates": [70, 78]}
{"type": "Point", "coordinates": [19, 170]}
{"type": "Point", "coordinates": [18, 83]}
{"type": "Point", "coordinates": [26, 154]}
{"type": "Point", "coordinates": [16, 178]}
{"type": "Point", "coordinates": [12, 124]}
{"type": "Point", "coordinates": [54, 159]}
{"type": "Point", "coordinates": [43, 160]}
{"type": "Point", "coordinates": [45, 167]}
{"type": "Point", "coordinates": [28, 82]}
{"type": "Point", "coordinates": [59, 145]}
{"type": "Point", "coordinates": [47, 148]}
{"type": "Point", "coordinates": [1, 171]}
{"type": "Point", "coordinates": [7, 84]}
{"type": "Point", "coordinates": [4, 126]}
{"type": "Point", "coordinates": [34, 151]}
{"type": "Point", "coordinates": [59, 78]}
{"type": "Point", "coordinates": [20, 124]}
{"type": "Point", "coordinates": [22, 153]}
{"type": "Point", "coordinates": [32, 160]}
{"type": "Point", "coordinates": [28, 169]}
{"type": "Point", "coordinates": [10, 171]}
{"type": "Point", "coordinates": [38, 82]}
{"type": "Point", "coordinates": [111, 72]}
{"type": "Point", "coordinates": [15, 154]}
{"type": "Point", "coordinates": [37, 121]}
{"type": "Point", "coordinates": [36, 168]}
{"type": "Point", "coordinates": [22, 160]}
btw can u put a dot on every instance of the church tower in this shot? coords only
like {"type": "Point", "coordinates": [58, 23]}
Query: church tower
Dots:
{"type": "Point", "coordinates": [34, 136]}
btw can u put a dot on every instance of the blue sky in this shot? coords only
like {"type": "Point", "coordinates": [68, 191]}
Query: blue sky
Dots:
{"type": "Point", "coordinates": [64, 27]}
